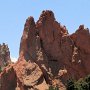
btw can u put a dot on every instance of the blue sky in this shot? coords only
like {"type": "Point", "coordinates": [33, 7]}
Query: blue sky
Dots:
{"type": "Point", "coordinates": [13, 14]}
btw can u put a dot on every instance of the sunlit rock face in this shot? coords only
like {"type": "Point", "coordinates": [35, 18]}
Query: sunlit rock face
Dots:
{"type": "Point", "coordinates": [58, 54]}
{"type": "Point", "coordinates": [49, 55]}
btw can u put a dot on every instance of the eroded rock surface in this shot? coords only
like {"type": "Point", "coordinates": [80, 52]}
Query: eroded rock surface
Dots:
{"type": "Point", "coordinates": [4, 56]}
{"type": "Point", "coordinates": [8, 79]}
{"type": "Point", "coordinates": [58, 54]}
{"type": "Point", "coordinates": [49, 55]}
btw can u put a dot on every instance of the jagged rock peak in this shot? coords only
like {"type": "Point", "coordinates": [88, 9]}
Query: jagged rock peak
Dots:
{"type": "Point", "coordinates": [48, 57]}
{"type": "Point", "coordinates": [48, 14]}
{"type": "Point", "coordinates": [29, 23]}
{"type": "Point", "coordinates": [4, 56]}
{"type": "Point", "coordinates": [82, 29]}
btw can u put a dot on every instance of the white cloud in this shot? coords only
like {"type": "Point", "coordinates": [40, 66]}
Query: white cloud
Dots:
{"type": "Point", "coordinates": [13, 59]}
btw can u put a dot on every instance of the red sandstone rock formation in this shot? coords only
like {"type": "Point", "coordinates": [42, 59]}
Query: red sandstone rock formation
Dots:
{"type": "Point", "coordinates": [49, 55]}
{"type": "Point", "coordinates": [8, 79]}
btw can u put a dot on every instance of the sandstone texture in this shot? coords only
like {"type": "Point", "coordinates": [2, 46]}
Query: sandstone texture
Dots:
{"type": "Point", "coordinates": [48, 56]}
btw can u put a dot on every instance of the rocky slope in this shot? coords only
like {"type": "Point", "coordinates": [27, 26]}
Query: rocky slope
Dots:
{"type": "Point", "coordinates": [48, 55]}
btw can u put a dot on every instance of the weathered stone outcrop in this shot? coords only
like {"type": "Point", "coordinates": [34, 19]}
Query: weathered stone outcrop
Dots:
{"type": "Point", "coordinates": [4, 56]}
{"type": "Point", "coordinates": [49, 55]}
{"type": "Point", "coordinates": [8, 79]}
{"type": "Point", "coordinates": [29, 76]}
{"type": "Point", "coordinates": [58, 54]}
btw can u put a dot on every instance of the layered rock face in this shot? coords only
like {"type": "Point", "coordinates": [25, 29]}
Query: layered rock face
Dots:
{"type": "Point", "coordinates": [49, 55]}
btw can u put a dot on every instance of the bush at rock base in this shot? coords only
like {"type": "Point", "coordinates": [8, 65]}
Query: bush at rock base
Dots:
{"type": "Point", "coordinates": [81, 84]}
